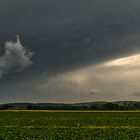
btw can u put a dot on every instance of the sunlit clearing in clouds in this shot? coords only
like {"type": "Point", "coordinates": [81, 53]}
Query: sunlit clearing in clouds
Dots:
{"type": "Point", "coordinates": [133, 60]}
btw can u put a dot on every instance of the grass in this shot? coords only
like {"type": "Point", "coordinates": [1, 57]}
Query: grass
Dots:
{"type": "Point", "coordinates": [69, 125]}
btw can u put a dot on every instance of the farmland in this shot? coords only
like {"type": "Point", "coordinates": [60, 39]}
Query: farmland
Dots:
{"type": "Point", "coordinates": [69, 125]}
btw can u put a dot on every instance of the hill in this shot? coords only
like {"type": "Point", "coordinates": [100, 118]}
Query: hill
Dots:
{"type": "Point", "coordinates": [117, 105]}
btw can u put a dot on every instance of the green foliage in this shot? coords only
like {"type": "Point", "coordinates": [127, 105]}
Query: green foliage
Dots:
{"type": "Point", "coordinates": [68, 125]}
{"type": "Point", "coordinates": [80, 106]}
{"type": "Point", "coordinates": [88, 106]}
{"type": "Point", "coordinates": [5, 106]}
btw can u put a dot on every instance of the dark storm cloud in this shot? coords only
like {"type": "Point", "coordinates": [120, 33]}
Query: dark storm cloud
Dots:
{"type": "Point", "coordinates": [71, 34]}
{"type": "Point", "coordinates": [66, 35]}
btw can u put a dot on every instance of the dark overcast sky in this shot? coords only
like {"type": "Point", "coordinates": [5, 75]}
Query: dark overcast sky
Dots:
{"type": "Point", "coordinates": [75, 38]}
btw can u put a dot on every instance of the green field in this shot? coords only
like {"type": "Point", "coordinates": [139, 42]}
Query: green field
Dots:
{"type": "Point", "coordinates": [68, 125]}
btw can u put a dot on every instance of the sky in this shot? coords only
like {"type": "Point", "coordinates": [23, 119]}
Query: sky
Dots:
{"type": "Point", "coordinates": [69, 51]}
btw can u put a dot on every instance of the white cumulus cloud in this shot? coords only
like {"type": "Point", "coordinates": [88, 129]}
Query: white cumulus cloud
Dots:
{"type": "Point", "coordinates": [16, 57]}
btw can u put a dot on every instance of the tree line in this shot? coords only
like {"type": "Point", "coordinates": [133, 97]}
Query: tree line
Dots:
{"type": "Point", "coordinates": [88, 106]}
{"type": "Point", "coordinates": [106, 106]}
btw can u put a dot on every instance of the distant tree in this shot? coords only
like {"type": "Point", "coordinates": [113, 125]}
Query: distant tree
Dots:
{"type": "Point", "coordinates": [94, 107]}
{"type": "Point", "coordinates": [4, 107]}
{"type": "Point", "coordinates": [110, 106]}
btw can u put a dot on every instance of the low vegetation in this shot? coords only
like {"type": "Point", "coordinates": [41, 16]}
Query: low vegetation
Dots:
{"type": "Point", "coordinates": [69, 125]}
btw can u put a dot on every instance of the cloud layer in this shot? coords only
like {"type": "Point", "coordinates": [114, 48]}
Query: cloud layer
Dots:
{"type": "Point", "coordinates": [15, 57]}
{"type": "Point", "coordinates": [118, 79]}
{"type": "Point", "coordinates": [85, 50]}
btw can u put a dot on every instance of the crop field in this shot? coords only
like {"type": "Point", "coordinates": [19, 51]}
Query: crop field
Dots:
{"type": "Point", "coordinates": [69, 125]}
